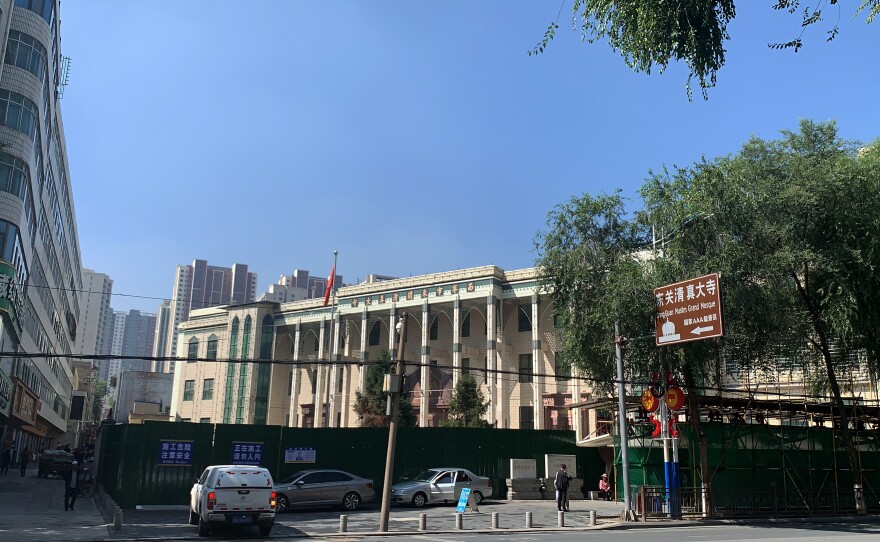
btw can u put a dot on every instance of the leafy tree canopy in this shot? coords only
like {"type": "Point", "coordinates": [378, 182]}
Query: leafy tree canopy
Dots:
{"type": "Point", "coordinates": [467, 405]}
{"type": "Point", "coordinates": [650, 34]}
{"type": "Point", "coordinates": [371, 404]}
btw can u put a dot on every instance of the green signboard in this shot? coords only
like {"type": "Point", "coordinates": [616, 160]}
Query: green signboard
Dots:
{"type": "Point", "coordinates": [10, 296]}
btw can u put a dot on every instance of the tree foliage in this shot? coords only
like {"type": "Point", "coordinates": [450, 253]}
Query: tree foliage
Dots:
{"type": "Point", "coordinates": [791, 225]}
{"type": "Point", "coordinates": [371, 404]}
{"type": "Point", "coordinates": [467, 405]}
{"type": "Point", "coordinates": [649, 35]}
{"type": "Point", "coordinates": [98, 400]}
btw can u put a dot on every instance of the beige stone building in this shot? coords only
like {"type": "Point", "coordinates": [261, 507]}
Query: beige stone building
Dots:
{"type": "Point", "coordinates": [491, 323]}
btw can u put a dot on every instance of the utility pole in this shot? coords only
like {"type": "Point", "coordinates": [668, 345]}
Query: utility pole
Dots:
{"type": "Point", "coordinates": [394, 385]}
{"type": "Point", "coordinates": [621, 416]}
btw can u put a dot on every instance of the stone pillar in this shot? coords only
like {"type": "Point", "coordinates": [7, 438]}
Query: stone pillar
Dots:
{"type": "Point", "coordinates": [456, 340]}
{"type": "Point", "coordinates": [336, 397]}
{"type": "Point", "coordinates": [319, 379]}
{"type": "Point", "coordinates": [425, 361]}
{"type": "Point", "coordinates": [364, 356]}
{"type": "Point", "coordinates": [491, 358]}
{"type": "Point", "coordinates": [537, 365]}
{"type": "Point", "coordinates": [293, 414]}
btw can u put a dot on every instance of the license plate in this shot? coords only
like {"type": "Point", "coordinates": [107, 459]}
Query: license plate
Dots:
{"type": "Point", "coordinates": [241, 519]}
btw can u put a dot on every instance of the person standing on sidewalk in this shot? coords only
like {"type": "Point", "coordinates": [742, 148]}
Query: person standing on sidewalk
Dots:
{"type": "Point", "coordinates": [71, 485]}
{"type": "Point", "coordinates": [24, 459]}
{"type": "Point", "coordinates": [5, 461]}
{"type": "Point", "coordinates": [561, 483]}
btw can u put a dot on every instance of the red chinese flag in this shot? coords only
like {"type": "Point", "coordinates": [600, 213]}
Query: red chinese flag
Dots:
{"type": "Point", "coordinates": [329, 285]}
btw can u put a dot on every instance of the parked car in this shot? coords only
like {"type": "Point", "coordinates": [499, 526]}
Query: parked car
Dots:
{"type": "Point", "coordinates": [440, 485]}
{"type": "Point", "coordinates": [317, 487]}
{"type": "Point", "coordinates": [233, 495]}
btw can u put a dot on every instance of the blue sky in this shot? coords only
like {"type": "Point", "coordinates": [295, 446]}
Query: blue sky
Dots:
{"type": "Point", "coordinates": [412, 137]}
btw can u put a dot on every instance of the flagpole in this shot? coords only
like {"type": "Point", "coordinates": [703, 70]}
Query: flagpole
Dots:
{"type": "Point", "coordinates": [331, 368]}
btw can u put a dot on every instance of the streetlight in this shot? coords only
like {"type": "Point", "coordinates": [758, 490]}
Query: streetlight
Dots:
{"type": "Point", "coordinates": [393, 385]}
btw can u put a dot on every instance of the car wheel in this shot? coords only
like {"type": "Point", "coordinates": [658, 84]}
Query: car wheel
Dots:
{"type": "Point", "coordinates": [193, 518]}
{"type": "Point", "coordinates": [282, 503]}
{"type": "Point", "coordinates": [419, 500]}
{"type": "Point", "coordinates": [351, 501]}
{"type": "Point", "coordinates": [478, 497]}
{"type": "Point", "coordinates": [204, 529]}
{"type": "Point", "coordinates": [265, 529]}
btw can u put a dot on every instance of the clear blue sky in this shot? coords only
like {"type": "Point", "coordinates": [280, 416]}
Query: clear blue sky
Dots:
{"type": "Point", "coordinates": [413, 137]}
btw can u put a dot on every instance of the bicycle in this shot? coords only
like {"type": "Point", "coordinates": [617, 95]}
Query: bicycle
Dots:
{"type": "Point", "coordinates": [87, 486]}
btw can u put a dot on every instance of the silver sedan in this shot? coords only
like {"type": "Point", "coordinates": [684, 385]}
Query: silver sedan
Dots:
{"type": "Point", "coordinates": [323, 487]}
{"type": "Point", "coordinates": [440, 485]}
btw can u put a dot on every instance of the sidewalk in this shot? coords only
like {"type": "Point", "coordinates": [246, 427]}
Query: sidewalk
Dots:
{"type": "Point", "coordinates": [33, 510]}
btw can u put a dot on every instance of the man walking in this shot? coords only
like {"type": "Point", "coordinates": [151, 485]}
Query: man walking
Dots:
{"type": "Point", "coordinates": [24, 459]}
{"type": "Point", "coordinates": [71, 485]}
{"type": "Point", "coordinates": [561, 483]}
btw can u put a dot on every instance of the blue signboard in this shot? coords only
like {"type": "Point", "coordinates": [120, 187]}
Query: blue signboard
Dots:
{"type": "Point", "coordinates": [463, 500]}
{"type": "Point", "coordinates": [175, 452]}
{"type": "Point", "coordinates": [247, 453]}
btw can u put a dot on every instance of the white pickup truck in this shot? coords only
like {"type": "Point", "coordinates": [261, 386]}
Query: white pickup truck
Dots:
{"type": "Point", "coordinates": [233, 495]}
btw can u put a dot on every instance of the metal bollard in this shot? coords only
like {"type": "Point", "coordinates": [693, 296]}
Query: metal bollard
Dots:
{"type": "Point", "coordinates": [528, 520]}
{"type": "Point", "coordinates": [560, 518]}
{"type": "Point", "coordinates": [494, 520]}
{"type": "Point", "coordinates": [117, 518]}
{"type": "Point", "coordinates": [343, 523]}
{"type": "Point", "coordinates": [458, 521]}
{"type": "Point", "coordinates": [423, 522]}
{"type": "Point", "coordinates": [592, 518]}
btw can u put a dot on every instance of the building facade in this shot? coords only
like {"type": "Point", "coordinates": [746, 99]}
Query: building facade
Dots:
{"type": "Point", "coordinates": [491, 323]}
{"type": "Point", "coordinates": [40, 264]}
{"type": "Point", "coordinates": [94, 311]}
{"type": "Point", "coordinates": [201, 285]}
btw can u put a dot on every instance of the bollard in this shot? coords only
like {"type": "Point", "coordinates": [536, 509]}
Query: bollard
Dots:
{"type": "Point", "coordinates": [560, 518]}
{"type": "Point", "coordinates": [343, 523]}
{"type": "Point", "coordinates": [592, 518]}
{"type": "Point", "coordinates": [458, 521]}
{"type": "Point", "coordinates": [528, 520]}
{"type": "Point", "coordinates": [117, 518]}
{"type": "Point", "coordinates": [423, 522]}
{"type": "Point", "coordinates": [494, 520]}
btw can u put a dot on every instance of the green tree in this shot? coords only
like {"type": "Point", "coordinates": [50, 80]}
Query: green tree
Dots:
{"type": "Point", "coordinates": [98, 400]}
{"type": "Point", "coordinates": [371, 405]}
{"type": "Point", "coordinates": [792, 226]}
{"type": "Point", "coordinates": [649, 35]}
{"type": "Point", "coordinates": [467, 405]}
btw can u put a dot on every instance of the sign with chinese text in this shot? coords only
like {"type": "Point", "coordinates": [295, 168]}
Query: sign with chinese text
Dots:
{"type": "Point", "coordinates": [247, 453]}
{"type": "Point", "coordinates": [299, 455]}
{"type": "Point", "coordinates": [523, 468]}
{"type": "Point", "coordinates": [688, 311]}
{"type": "Point", "coordinates": [177, 453]}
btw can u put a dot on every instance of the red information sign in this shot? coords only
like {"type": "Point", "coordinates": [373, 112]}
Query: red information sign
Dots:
{"type": "Point", "coordinates": [688, 311]}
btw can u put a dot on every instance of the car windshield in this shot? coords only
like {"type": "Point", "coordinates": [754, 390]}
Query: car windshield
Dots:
{"type": "Point", "coordinates": [426, 476]}
{"type": "Point", "coordinates": [291, 478]}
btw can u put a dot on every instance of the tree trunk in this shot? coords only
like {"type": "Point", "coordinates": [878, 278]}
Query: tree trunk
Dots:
{"type": "Point", "coordinates": [694, 417]}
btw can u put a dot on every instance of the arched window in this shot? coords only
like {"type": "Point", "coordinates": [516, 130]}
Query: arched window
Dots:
{"type": "Point", "coordinates": [233, 339]}
{"type": "Point", "coordinates": [230, 372]}
{"type": "Point", "coordinates": [267, 333]}
{"type": "Point", "coordinates": [246, 338]}
{"type": "Point", "coordinates": [241, 405]}
{"type": "Point", "coordinates": [264, 371]}
{"type": "Point", "coordinates": [375, 333]}
{"type": "Point", "coordinates": [212, 347]}
{"type": "Point", "coordinates": [193, 351]}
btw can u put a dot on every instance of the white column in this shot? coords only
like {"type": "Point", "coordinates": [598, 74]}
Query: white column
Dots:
{"type": "Point", "coordinates": [335, 396]}
{"type": "Point", "coordinates": [575, 387]}
{"type": "Point", "coordinates": [495, 412]}
{"type": "Point", "coordinates": [426, 360]}
{"type": "Point", "coordinates": [364, 357]}
{"type": "Point", "coordinates": [456, 340]}
{"type": "Point", "coordinates": [293, 414]}
{"type": "Point", "coordinates": [319, 380]}
{"type": "Point", "coordinates": [537, 366]}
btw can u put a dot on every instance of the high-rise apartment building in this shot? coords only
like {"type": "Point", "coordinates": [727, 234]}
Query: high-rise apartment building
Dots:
{"type": "Point", "coordinates": [40, 264]}
{"type": "Point", "coordinates": [133, 337]}
{"type": "Point", "coordinates": [299, 286]}
{"type": "Point", "coordinates": [94, 311]}
{"type": "Point", "coordinates": [198, 286]}
{"type": "Point", "coordinates": [163, 328]}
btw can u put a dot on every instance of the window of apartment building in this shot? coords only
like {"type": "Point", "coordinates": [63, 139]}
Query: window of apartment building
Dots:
{"type": "Point", "coordinates": [375, 335]}
{"type": "Point", "coordinates": [19, 113]}
{"type": "Point", "coordinates": [465, 365]}
{"type": "Point", "coordinates": [193, 351]}
{"type": "Point", "coordinates": [526, 417]}
{"type": "Point", "coordinates": [27, 53]}
{"type": "Point", "coordinates": [466, 325]}
{"type": "Point", "coordinates": [14, 177]}
{"type": "Point", "coordinates": [189, 389]}
{"type": "Point", "coordinates": [435, 328]}
{"type": "Point", "coordinates": [561, 367]}
{"type": "Point", "coordinates": [208, 389]}
{"type": "Point", "coordinates": [212, 347]}
{"type": "Point", "coordinates": [204, 420]}
{"type": "Point", "coordinates": [524, 317]}
{"type": "Point", "coordinates": [525, 368]}
{"type": "Point", "coordinates": [43, 8]}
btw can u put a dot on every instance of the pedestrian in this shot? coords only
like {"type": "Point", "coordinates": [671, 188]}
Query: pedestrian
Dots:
{"type": "Point", "coordinates": [25, 459]}
{"type": "Point", "coordinates": [561, 483]}
{"type": "Point", "coordinates": [604, 487]}
{"type": "Point", "coordinates": [71, 485]}
{"type": "Point", "coordinates": [5, 461]}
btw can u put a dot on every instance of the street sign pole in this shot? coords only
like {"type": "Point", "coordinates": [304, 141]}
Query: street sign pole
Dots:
{"type": "Point", "coordinates": [621, 405]}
